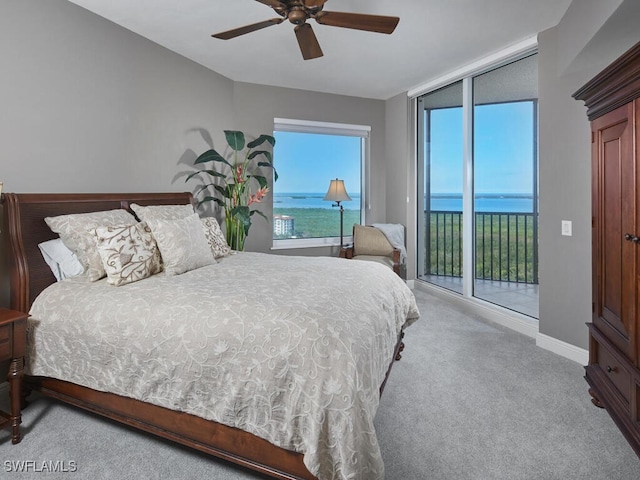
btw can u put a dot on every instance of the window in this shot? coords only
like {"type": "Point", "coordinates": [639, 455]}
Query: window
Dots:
{"type": "Point", "coordinates": [477, 151]}
{"type": "Point", "coordinates": [307, 156]}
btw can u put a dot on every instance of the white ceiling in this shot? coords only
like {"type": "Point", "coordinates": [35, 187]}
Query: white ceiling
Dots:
{"type": "Point", "coordinates": [434, 37]}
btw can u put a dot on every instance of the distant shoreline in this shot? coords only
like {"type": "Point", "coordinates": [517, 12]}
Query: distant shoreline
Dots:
{"type": "Point", "coordinates": [448, 202]}
{"type": "Point", "coordinates": [303, 195]}
{"type": "Point", "coordinates": [484, 195]}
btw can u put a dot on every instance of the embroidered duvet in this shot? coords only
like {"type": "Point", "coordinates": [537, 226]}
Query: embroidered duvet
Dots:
{"type": "Point", "coordinates": [291, 349]}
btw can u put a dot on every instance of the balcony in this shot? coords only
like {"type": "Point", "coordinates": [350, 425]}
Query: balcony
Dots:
{"type": "Point", "coordinates": [505, 257]}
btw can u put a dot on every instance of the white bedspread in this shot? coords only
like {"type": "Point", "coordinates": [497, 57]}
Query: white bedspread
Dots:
{"type": "Point", "coordinates": [291, 349]}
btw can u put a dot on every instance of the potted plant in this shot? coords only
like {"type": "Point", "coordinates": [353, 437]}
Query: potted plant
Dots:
{"type": "Point", "coordinates": [237, 182]}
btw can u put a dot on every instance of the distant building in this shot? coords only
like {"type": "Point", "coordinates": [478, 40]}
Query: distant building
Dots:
{"type": "Point", "coordinates": [283, 225]}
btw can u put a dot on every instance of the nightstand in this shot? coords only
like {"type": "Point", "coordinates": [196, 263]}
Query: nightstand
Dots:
{"type": "Point", "coordinates": [13, 339]}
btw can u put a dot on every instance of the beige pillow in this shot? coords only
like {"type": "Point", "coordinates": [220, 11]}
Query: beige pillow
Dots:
{"type": "Point", "coordinates": [129, 253]}
{"type": "Point", "coordinates": [182, 244]}
{"type": "Point", "coordinates": [162, 212]}
{"type": "Point", "coordinates": [370, 241]}
{"type": "Point", "coordinates": [215, 238]}
{"type": "Point", "coordinates": [75, 230]}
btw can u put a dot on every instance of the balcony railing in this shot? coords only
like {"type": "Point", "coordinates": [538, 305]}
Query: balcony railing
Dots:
{"type": "Point", "coordinates": [506, 245]}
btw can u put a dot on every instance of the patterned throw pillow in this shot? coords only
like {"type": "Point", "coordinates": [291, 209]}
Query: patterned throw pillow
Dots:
{"type": "Point", "coordinates": [162, 212]}
{"type": "Point", "coordinates": [75, 230]}
{"type": "Point", "coordinates": [215, 238]}
{"type": "Point", "coordinates": [129, 253]}
{"type": "Point", "coordinates": [182, 244]}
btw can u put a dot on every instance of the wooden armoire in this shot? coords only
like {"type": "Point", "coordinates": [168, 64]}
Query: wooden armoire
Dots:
{"type": "Point", "coordinates": [613, 107]}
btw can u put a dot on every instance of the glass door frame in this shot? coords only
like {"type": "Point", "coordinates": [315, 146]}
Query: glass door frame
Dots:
{"type": "Point", "coordinates": [468, 227]}
{"type": "Point", "coordinates": [423, 150]}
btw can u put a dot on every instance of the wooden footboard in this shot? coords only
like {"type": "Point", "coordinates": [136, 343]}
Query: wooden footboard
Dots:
{"type": "Point", "coordinates": [224, 442]}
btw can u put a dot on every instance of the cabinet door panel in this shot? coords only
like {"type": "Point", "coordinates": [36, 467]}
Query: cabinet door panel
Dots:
{"type": "Point", "coordinates": [636, 326]}
{"type": "Point", "coordinates": [615, 217]}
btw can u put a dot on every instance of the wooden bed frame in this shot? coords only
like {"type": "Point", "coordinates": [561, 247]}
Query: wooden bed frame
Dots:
{"type": "Point", "coordinates": [25, 226]}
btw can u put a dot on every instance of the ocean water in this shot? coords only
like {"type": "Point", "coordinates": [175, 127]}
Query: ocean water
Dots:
{"type": "Point", "coordinates": [509, 203]}
{"type": "Point", "coordinates": [503, 203]}
{"type": "Point", "coordinates": [311, 200]}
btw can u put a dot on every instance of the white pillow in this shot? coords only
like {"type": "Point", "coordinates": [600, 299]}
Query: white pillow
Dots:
{"type": "Point", "coordinates": [162, 212]}
{"type": "Point", "coordinates": [215, 238]}
{"type": "Point", "coordinates": [129, 253]}
{"type": "Point", "coordinates": [62, 261]}
{"type": "Point", "coordinates": [75, 232]}
{"type": "Point", "coordinates": [182, 244]}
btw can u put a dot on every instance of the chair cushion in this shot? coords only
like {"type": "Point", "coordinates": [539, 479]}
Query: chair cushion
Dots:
{"type": "Point", "coordinates": [370, 241]}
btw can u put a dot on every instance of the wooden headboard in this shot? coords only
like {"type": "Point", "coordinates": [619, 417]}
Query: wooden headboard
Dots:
{"type": "Point", "coordinates": [24, 224]}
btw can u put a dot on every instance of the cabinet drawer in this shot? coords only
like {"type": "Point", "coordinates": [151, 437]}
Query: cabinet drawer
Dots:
{"type": "Point", "coordinates": [5, 342]}
{"type": "Point", "coordinates": [615, 370]}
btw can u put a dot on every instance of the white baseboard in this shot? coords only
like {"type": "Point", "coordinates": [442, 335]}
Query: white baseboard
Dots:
{"type": "Point", "coordinates": [512, 320]}
{"type": "Point", "coordinates": [563, 349]}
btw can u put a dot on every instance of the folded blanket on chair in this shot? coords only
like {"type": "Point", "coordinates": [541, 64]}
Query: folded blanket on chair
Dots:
{"type": "Point", "coordinates": [395, 234]}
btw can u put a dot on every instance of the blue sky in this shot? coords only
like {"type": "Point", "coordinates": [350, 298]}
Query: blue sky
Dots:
{"type": "Point", "coordinates": [503, 149]}
{"type": "Point", "coordinates": [308, 162]}
{"type": "Point", "coordinates": [503, 154]}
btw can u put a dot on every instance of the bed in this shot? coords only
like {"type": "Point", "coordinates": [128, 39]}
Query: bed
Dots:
{"type": "Point", "coordinates": [254, 412]}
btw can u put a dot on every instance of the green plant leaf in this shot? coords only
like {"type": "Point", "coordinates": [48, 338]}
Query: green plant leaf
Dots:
{"type": "Point", "coordinates": [235, 139]}
{"type": "Point", "coordinates": [211, 156]}
{"type": "Point", "coordinates": [243, 214]}
{"type": "Point", "coordinates": [255, 153]}
{"type": "Point", "coordinates": [213, 173]}
{"type": "Point", "coordinates": [260, 140]}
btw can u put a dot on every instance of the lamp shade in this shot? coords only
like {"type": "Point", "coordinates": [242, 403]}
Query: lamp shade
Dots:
{"type": "Point", "coordinates": [337, 192]}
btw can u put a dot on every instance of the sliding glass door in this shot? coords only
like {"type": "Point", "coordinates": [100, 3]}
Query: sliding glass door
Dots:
{"type": "Point", "coordinates": [440, 225]}
{"type": "Point", "coordinates": [505, 166]}
{"type": "Point", "coordinates": [477, 146]}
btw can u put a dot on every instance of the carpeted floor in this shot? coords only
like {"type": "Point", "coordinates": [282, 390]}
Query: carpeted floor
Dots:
{"type": "Point", "coordinates": [469, 400]}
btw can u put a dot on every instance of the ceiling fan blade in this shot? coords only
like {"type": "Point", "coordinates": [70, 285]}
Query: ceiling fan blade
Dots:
{"type": "Point", "coordinates": [273, 3]}
{"type": "Point", "coordinates": [236, 32]}
{"type": "Point", "coordinates": [308, 42]}
{"type": "Point", "coordinates": [358, 21]}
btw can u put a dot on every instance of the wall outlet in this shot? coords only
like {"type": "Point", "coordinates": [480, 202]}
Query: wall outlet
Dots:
{"type": "Point", "coordinates": [566, 228]}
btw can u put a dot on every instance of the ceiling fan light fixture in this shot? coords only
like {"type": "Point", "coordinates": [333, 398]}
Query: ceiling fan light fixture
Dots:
{"type": "Point", "coordinates": [297, 16]}
{"type": "Point", "coordinates": [299, 11]}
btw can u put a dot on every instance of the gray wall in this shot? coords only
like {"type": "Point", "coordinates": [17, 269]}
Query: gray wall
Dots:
{"type": "Point", "coordinates": [567, 60]}
{"type": "Point", "coordinates": [401, 173]}
{"type": "Point", "coordinates": [86, 105]}
{"type": "Point", "coordinates": [565, 194]}
{"type": "Point", "coordinates": [90, 106]}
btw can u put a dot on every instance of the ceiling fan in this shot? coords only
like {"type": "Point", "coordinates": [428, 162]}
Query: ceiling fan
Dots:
{"type": "Point", "coordinates": [299, 11]}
